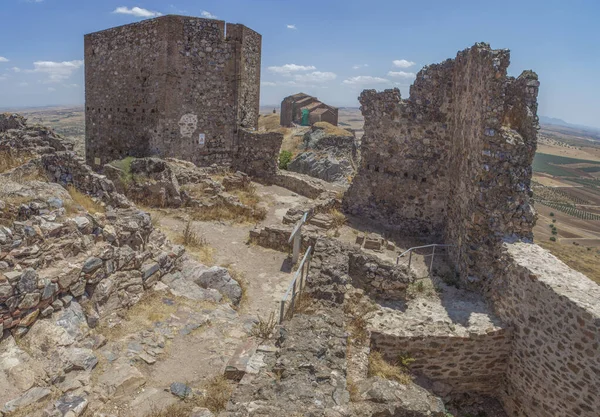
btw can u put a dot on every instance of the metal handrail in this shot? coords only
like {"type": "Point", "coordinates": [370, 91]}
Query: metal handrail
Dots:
{"type": "Point", "coordinates": [411, 250]}
{"type": "Point", "coordinates": [294, 288]}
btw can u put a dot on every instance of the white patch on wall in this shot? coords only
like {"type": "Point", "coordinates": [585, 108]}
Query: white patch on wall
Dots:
{"type": "Point", "coordinates": [201, 139]}
{"type": "Point", "coordinates": [188, 125]}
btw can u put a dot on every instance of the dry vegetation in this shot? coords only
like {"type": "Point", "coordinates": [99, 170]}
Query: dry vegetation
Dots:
{"type": "Point", "coordinates": [82, 201]}
{"type": "Point", "coordinates": [332, 130]}
{"type": "Point", "coordinates": [263, 329]}
{"type": "Point", "coordinates": [583, 259]}
{"type": "Point", "coordinates": [196, 244]}
{"type": "Point", "coordinates": [217, 392]}
{"type": "Point", "coordinates": [10, 159]}
{"type": "Point", "coordinates": [338, 218]}
{"type": "Point", "coordinates": [149, 310]}
{"type": "Point", "coordinates": [398, 371]}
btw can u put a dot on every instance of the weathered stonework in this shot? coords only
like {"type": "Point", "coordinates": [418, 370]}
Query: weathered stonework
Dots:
{"type": "Point", "coordinates": [554, 367]}
{"type": "Point", "coordinates": [453, 161]}
{"type": "Point", "coordinates": [173, 86]}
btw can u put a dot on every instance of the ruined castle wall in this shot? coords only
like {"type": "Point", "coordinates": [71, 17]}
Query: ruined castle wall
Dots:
{"type": "Point", "coordinates": [188, 85]}
{"type": "Point", "coordinates": [124, 75]}
{"type": "Point", "coordinates": [257, 154]}
{"type": "Point", "coordinates": [453, 162]}
{"type": "Point", "coordinates": [554, 368]}
{"type": "Point", "coordinates": [249, 51]}
{"type": "Point", "coordinates": [472, 363]}
{"type": "Point", "coordinates": [494, 137]}
{"type": "Point", "coordinates": [402, 179]}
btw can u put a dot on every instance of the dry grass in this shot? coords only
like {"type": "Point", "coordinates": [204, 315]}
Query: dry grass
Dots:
{"type": "Point", "coordinates": [248, 196]}
{"type": "Point", "coordinates": [356, 309]}
{"type": "Point", "coordinates": [227, 212]}
{"type": "Point", "coordinates": [332, 130]}
{"type": "Point", "coordinates": [263, 329]}
{"type": "Point", "coordinates": [583, 259]}
{"type": "Point", "coordinates": [378, 366]}
{"type": "Point", "coordinates": [269, 122]}
{"type": "Point", "coordinates": [145, 313]}
{"type": "Point", "coordinates": [10, 159]}
{"type": "Point", "coordinates": [81, 201]}
{"type": "Point", "coordinates": [304, 304]}
{"type": "Point", "coordinates": [195, 244]}
{"type": "Point", "coordinates": [338, 218]}
{"type": "Point", "coordinates": [217, 393]}
{"type": "Point", "coordinates": [352, 390]}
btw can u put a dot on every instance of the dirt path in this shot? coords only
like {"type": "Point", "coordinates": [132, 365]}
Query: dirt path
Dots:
{"type": "Point", "coordinates": [196, 356]}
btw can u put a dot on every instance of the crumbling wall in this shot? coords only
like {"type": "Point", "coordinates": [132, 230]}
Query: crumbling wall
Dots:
{"type": "Point", "coordinates": [453, 162]}
{"type": "Point", "coordinates": [257, 154]}
{"type": "Point", "coordinates": [173, 86]}
{"type": "Point", "coordinates": [554, 368]}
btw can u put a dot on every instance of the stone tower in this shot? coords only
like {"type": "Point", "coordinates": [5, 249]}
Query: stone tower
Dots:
{"type": "Point", "coordinates": [173, 86]}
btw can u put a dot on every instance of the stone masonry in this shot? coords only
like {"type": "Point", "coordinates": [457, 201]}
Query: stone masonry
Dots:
{"type": "Point", "coordinates": [173, 86]}
{"type": "Point", "coordinates": [554, 368]}
{"type": "Point", "coordinates": [453, 161]}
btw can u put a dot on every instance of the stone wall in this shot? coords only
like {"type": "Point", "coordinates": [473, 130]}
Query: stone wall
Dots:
{"type": "Point", "coordinates": [172, 86]}
{"type": "Point", "coordinates": [257, 154]}
{"type": "Point", "coordinates": [453, 161]}
{"type": "Point", "coordinates": [381, 280]}
{"type": "Point", "coordinates": [554, 368]}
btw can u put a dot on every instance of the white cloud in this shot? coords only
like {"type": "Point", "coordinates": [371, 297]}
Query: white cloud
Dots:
{"type": "Point", "coordinates": [401, 74]}
{"type": "Point", "coordinates": [359, 66]}
{"type": "Point", "coordinates": [16, 69]}
{"type": "Point", "coordinates": [293, 27]}
{"type": "Point", "coordinates": [365, 80]}
{"type": "Point", "coordinates": [208, 15]}
{"type": "Point", "coordinates": [2, 59]}
{"type": "Point", "coordinates": [403, 63]}
{"type": "Point", "coordinates": [56, 71]}
{"type": "Point", "coordinates": [315, 77]}
{"type": "Point", "coordinates": [268, 84]}
{"type": "Point", "coordinates": [71, 85]}
{"type": "Point", "coordinates": [136, 11]}
{"type": "Point", "coordinates": [23, 84]}
{"type": "Point", "coordinates": [51, 89]}
{"type": "Point", "coordinates": [3, 77]}
{"type": "Point", "coordinates": [288, 68]}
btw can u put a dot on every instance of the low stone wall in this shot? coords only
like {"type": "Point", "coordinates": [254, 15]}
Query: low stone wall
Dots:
{"type": "Point", "coordinates": [111, 257]}
{"type": "Point", "coordinates": [470, 364]}
{"type": "Point", "coordinates": [301, 184]}
{"type": "Point", "coordinates": [378, 278]}
{"type": "Point", "coordinates": [257, 154]}
{"type": "Point", "coordinates": [66, 168]}
{"type": "Point", "coordinates": [554, 368]}
{"type": "Point", "coordinates": [277, 237]}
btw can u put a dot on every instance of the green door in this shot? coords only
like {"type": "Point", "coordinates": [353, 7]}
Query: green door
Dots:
{"type": "Point", "coordinates": [305, 117]}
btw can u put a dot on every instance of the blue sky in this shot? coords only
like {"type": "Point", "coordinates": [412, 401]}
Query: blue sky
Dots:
{"type": "Point", "coordinates": [332, 49]}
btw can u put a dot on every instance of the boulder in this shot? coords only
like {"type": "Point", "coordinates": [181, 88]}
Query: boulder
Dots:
{"type": "Point", "coordinates": [217, 278]}
{"type": "Point", "coordinates": [32, 396]}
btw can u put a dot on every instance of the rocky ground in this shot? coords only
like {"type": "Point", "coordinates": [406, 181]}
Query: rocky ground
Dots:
{"type": "Point", "coordinates": [109, 310]}
{"type": "Point", "coordinates": [328, 154]}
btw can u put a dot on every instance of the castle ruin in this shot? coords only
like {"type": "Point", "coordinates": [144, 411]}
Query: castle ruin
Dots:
{"type": "Point", "coordinates": [173, 86]}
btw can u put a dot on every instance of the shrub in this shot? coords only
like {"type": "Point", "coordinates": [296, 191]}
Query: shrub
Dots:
{"type": "Point", "coordinates": [378, 366]}
{"type": "Point", "coordinates": [285, 157]}
{"type": "Point", "coordinates": [551, 214]}
{"type": "Point", "coordinates": [554, 231]}
{"type": "Point", "coordinates": [263, 329]}
{"type": "Point", "coordinates": [552, 239]}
